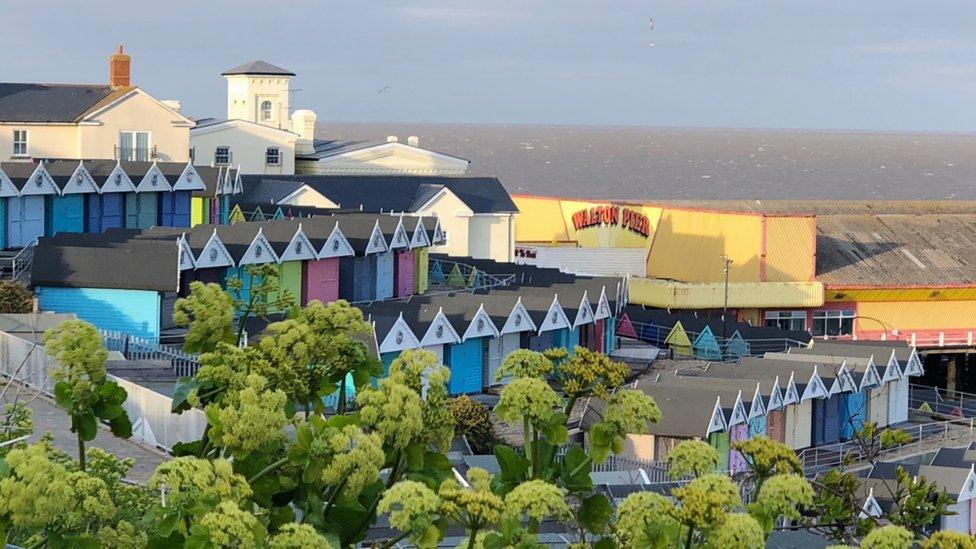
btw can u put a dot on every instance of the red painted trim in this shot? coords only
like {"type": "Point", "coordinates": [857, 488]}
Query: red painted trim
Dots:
{"type": "Point", "coordinates": [830, 287]}
{"type": "Point", "coordinates": [762, 250]}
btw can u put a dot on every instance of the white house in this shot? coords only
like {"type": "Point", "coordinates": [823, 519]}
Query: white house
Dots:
{"type": "Point", "coordinates": [389, 158]}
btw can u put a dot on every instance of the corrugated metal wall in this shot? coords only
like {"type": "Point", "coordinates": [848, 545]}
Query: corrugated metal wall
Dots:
{"type": "Point", "coordinates": [598, 261]}
{"type": "Point", "coordinates": [688, 245]}
{"type": "Point", "coordinates": [135, 312]}
{"type": "Point", "coordinates": [790, 248]}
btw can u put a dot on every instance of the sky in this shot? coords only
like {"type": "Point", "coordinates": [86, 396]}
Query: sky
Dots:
{"type": "Point", "coordinates": [818, 64]}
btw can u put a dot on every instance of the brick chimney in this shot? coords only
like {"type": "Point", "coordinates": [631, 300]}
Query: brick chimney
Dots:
{"type": "Point", "coordinates": [118, 69]}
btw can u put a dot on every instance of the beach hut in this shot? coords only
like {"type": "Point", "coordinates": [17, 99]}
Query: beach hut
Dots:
{"type": "Point", "coordinates": [25, 212]}
{"type": "Point", "coordinates": [467, 358]}
{"type": "Point", "coordinates": [321, 275]}
{"type": "Point", "coordinates": [736, 347]}
{"type": "Point", "coordinates": [66, 212]}
{"type": "Point", "coordinates": [678, 341]}
{"type": "Point", "coordinates": [624, 327]}
{"type": "Point", "coordinates": [705, 346]}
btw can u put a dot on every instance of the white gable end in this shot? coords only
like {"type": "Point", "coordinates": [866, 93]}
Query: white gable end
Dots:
{"type": "Point", "coordinates": [815, 387]}
{"type": "Point", "coordinates": [377, 243]}
{"type": "Point", "coordinates": [259, 251]}
{"type": "Point", "coordinates": [584, 315]}
{"type": "Point", "coordinates": [189, 180]}
{"type": "Point", "coordinates": [968, 489]}
{"type": "Point", "coordinates": [518, 320]}
{"type": "Point", "coordinates": [555, 318]}
{"type": "Point", "coordinates": [717, 423]}
{"type": "Point", "coordinates": [792, 395]}
{"type": "Point", "coordinates": [602, 306]}
{"type": "Point", "coordinates": [400, 338]}
{"type": "Point", "coordinates": [154, 181]}
{"type": "Point", "coordinates": [738, 415]}
{"type": "Point", "coordinates": [440, 332]}
{"type": "Point", "coordinates": [419, 238]}
{"type": "Point", "coordinates": [186, 255]}
{"type": "Point", "coordinates": [481, 326]}
{"type": "Point", "coordinates": [892, 371]}
{"type": "Point", "coordinates": [400, 237]}
{"type": "Point", "coordinates": [39, 183]}
{"type": "Point", "coordinates": [300, 248]}
{"type": "Point", "coordinates": [776, 396]}
{"type": "Point", "coordinates": [914, 366]}
{"type": "Point", "coordinates": [756, 409]}
{"type": "Point", "coordinates": [871, 377]}
{"type": "Point", "coordinates": [7, 187]}
{"type": "Point", "coordinates": [80, 182]}
{"type": "Point", "coordinates": [871, 508]}
{"type": "Point", "coordinates": [214, 254]}
{"type": "Point", "coordinates": [336, 245]}
{"type": "Point", "coordinates": [118, 182]}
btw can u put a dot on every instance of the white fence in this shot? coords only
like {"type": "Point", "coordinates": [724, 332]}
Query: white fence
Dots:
{"type": "Point", "coordinates": [149, 411]}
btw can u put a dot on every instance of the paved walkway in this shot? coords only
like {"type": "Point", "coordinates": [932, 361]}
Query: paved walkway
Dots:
{"type": "Point", "coordinates": [49, 417]}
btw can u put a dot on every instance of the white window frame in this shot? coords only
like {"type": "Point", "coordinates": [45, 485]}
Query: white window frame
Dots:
{"type": "Point", "coordinates": [778, 316]}
{"type": "Point", "coordinates": [267, 156]}
{"type": "Point", "coordinates": [230, 155]}
{"type": "Point", "coordinates": [134, 133]}
{"type": "Point", "coordinates": [261, 115]}
{"type": "Point", "coordinates": [25, 143]}
{"type": "Point", "coordinates": [835, 315]}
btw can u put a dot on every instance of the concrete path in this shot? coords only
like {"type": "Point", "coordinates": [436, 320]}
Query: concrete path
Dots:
{"type": "Point", "coordinates": [49, 417]}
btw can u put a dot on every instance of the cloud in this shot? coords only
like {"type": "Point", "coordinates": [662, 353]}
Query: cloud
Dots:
{"type": "Point", "coordinates": [918, 46]}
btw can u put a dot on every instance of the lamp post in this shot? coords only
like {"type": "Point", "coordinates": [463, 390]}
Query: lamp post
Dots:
{"type": "Point", "coordinates": [725, 307]}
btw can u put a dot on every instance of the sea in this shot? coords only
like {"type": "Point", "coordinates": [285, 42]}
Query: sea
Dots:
{"type": "Point", "coordinates": [656, 163]}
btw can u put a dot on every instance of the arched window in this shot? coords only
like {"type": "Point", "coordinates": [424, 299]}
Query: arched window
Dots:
{"type": "Point", "coordinates": [266, 110]}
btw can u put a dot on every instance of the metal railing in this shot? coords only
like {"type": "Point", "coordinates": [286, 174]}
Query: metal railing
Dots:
{"type": "Point", "coordinates": [725, 348]}
{"type": "Point", "coordinates": [20, 264]}
{"type": "Point", "coordinates": [467, 278]}
{"type": "Point", "coordinates": [851, 454]}
{"type": "Point", "coordinates": [942, 401]}
{"type": "Point", "coordinates": [138, 348]}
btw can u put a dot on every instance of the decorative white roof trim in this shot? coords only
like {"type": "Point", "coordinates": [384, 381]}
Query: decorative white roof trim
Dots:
{"type": "Point", "coordinates": [259, 251]}
{"type": "Point", "coordinates": [968, 489]}
{"type": "Point", "coordinates": [336, 245]}
{"type": "Point", "coordinates": [845, 379]}
{"type": "Point", "coordinates": [299, 248]}
{"type": "Point", "coordinates": [117, 182]}
{"type": "Point", "coordinates": [584, 315]}
{"type": "Point", "coordinates": [892, 370]}
{"type": "Point", "coordinates": [792, 395]}
{"type": "Point", "coordinates": [227, 183]}
{"type": "Point", "coordinates": [153, 181]}
{"type": "Point", "coordinates": [776, 396]}
{"type": "Point", "coordinates": [871, 508]}
{"type": "Point", "coordinates": [438, 234]}
{"type": "Point", "coordinates": [186, 254]}
{"type": "Point", "coordinates": [757, 408]}
{"type": "Point", "coordinates": [399, 338]}
{"type": "Point", "coordinates": [214, 254]}
{"type": "Point", "coordinates": [7, 187]}
{"type": "Point", "coordinates": [555, 317]}
{"type": "Point", "coordinates": [400, 237]}
{"type": "Point", "coordinates": [518, 320]}
{"type": "Point", "coordinates": [815, 387]}
{"type": "Point", "coordinates": [419, 238]}
{"type": "Point", "coordinates": [914, 367]}
{"type": "Point", "coordinates": [717, 423]}
{"type": "Point", "coordinates": [40, 182]}
{"type": "Point", "coordinates": [377, 242]}
{"type": "Point", "coordinates": [480, 326]}
{"type": "Point", "coordinates": [189, 180]}
{"type": "Point", "coordinates": [238, 187]}
{"type": "Point", "coordinates": [871, 377]}
{"type": "Point", "coordinates": [738, 415]}
{"type": "Point", "coordinates": [440, 331]}
{"type": "Point", "coordinates": [602, 306]}
{"type": "Point", "coordinates": [80, 182]}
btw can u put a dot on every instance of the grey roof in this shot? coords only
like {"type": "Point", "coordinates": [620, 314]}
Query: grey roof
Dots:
{"type": "Point", "coordinates": [140, 265]}
{"type": "Point", "coordinates": [880, 350]}
{"type": "Point", "coordinates": [258, 67]}
{"type": "Point", "coordinates": [374, 193]}
{"type": "Point", "coordinates": [48, 102]}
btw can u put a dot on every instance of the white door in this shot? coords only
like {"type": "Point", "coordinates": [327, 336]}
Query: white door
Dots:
{"type": "Point", "coordinates": [898, 401]}
{"type": "Point", "coordinates": [879, 404]}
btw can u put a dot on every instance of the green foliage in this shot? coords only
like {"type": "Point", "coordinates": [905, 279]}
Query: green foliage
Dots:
{"type": "Point", "coordinates": [919, 502]}
{"type": "Point", "coordinates": [947, 539]}
{"type": "Point", "coordinates": [887, 537]}
{"type": "Point", "coordinates": [16, 421]}
{"type": "Point", "coordinates": [300, 536]}
{"type": "Point", "coordinates": [836, 507]}
{"type": "Point", "coordinates": [704, 502]}
{"type": "Point", "coordinates": [534, 501]}
{"type": "Point", "coordinates": [208, 312]}
{"type": "Point", "coordinates": [628, 411]}
{"type": "Point", "coordinates": [81, 387]}
{"type": "Point", "coordinates": [738, 530]}
{"type": "Point", "coordinates": [472, 420]}
{"type": "Point", "coordinates": [588, 372]}
{"type": "Point", "coordinates": [15, 298]}
{"type": "Point", "coordinates": [894, 437]}
{"type": "Point", "coordinates": [766, 457]}
{"type": "Point", "coordinates": [646, 519]}
{"type": "Point", "coordinates": [413, 509]}
{"type": "Point", "coordinates": [692, 457]}
{"type": "Point", "coordinates": [525, 363]}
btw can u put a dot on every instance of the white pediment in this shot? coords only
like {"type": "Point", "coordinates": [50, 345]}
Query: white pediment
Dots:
{"type": "Point", "coordinates": [377, 242]}
{"type": "Point", "coordinates": [555, 318]}
{"type": "Point", "coordinates": [717, 422]}
{"type": "Point", "coordinates": [214, 254]}
{"type": "Point", "coordinates": [602, 306]}
{"type": "Point", "coordinates": [792, 395]}
{"type": "Point", "coordinates": [154, 181]}
{"type": "Point", "coordinates": [80, 182]}
{"type": "Point", "coordinates": [400, 237]}
{"type": "Point", "coordinates": [336, 245]}
{"type": "Point", "coordinates": [238, 186]}
{"type": "Point", "coordinates": [584, 315]}
{"type": "Point", "coordinates": [7, 187]}
{"type": "Point", "coordinates": [892, 371]}
{"type": "Point", "coordinates": [189, 180]}
{"type": "Point", "coordinates": [438, 234]}
{"type": "Point", "coordinates": [738, 415]}
{"type": "Point", "coordinates": [118, 182]}
{"type": "Point", "coordinates": [914, 367]}
{"type": "Point", "coordinates": [871, 508]}
{"type": "Point", "coordinates": [480, 326]}
{"type": "Point", "coordinates": [225, 183]}
{"type": "Point", "coordinates": [419, 238]}
{"type": "Point", "coordinates": [259, 251]}
{"type": "Point", "coordinates": [186, 254]}
{"type": "Point", "coordinates": [440, 332]}
{"type": "Point", "coordinates": [846, 380]}
{"type": "Point", "coordinates": [968, 489]}
{"type": "Point", "coordinates": [399, 338]}
{"type": "Point", "coordinates": [815, 387]}
{"type": "Point", "coordinates": [518, 320]}
{"type": "Point", "coordinates": [871, 377]}
{"type": "Point", "coordinates": [40, 182]}
{"type": "Point", "coordinates": [300, 248]}
{"type": "Point", "coordinates": [756, 408]}
{"type": "Point", "coordinates": [392, 158]}
{"type": "Point", "coordinates": [776, 396]}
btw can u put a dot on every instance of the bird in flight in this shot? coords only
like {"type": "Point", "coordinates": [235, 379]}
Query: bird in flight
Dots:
{"type": "Point", "coordinates": [383, 89]}
{"type": "Point", "coordinates": [651, 24]}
